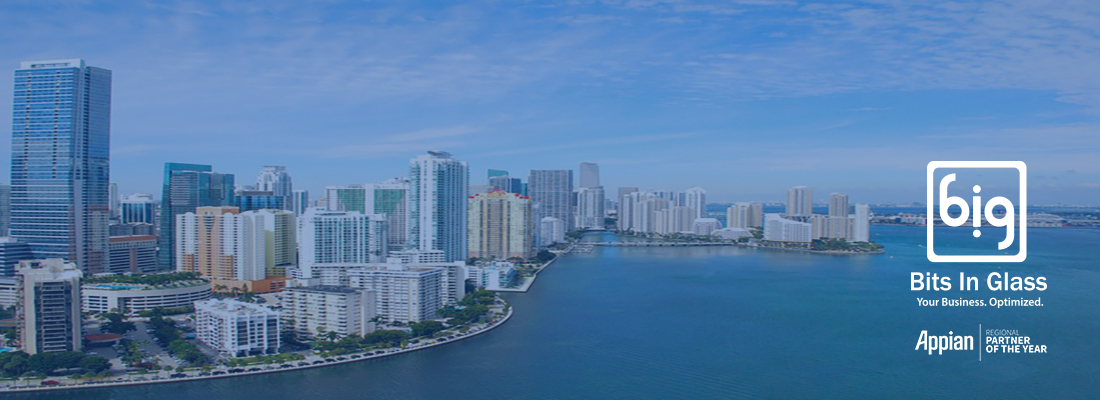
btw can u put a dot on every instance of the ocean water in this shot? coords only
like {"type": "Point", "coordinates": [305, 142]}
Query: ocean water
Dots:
{"type": "Point", "coordinates": [728, 323]}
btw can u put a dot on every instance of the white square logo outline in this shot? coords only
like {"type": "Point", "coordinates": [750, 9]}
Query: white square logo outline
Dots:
{"type": "Point", "coordinates": [930, 216]}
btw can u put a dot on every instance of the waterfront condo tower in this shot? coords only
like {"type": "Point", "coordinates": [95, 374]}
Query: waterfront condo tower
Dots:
{"type": "Point", "coordinates": [438, 189]}
{"type": "Point", "coordinates": [60, 160]}
{"type": "Point", "coordinates": [551, 193]}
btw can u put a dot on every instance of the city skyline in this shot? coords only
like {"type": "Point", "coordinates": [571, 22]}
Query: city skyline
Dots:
{"type": "Point", "coordinates": [861, 111]}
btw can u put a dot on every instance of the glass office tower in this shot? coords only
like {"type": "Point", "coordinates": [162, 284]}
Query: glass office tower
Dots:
{"type": "Point", "coordinates": [186, 187]}
{"type": "Point", "coordinates": [60, 164]}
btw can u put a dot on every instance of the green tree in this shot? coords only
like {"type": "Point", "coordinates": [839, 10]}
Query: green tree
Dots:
{"type": "Point", "coordinates": [426, 328]}
{"type": "Point", "coordinates": [95, 364]}
{"type": "Point", "coordinates": [117, 324]}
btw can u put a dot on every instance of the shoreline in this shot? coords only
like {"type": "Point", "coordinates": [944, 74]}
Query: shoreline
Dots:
{"type": "Point", "coordinates": [107, 384]}
{"type": "Point", "coordinates": [800, 250]}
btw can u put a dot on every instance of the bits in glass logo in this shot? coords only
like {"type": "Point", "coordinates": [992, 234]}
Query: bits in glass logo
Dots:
{"type": "Point", "coordinates": [956, 201]}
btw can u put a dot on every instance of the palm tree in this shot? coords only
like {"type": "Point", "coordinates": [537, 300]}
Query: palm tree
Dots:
{"type": "Point", "coordinates": [331, 336]}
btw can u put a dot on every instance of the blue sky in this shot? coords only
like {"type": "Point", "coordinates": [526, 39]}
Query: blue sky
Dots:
{"type": "Point", "coordinates": [744, 98]}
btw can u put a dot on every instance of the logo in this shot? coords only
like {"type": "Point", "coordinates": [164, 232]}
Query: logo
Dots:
{"type": "Point", "coordinates": [941, 343]}
{"type": "Point", "coordinates": [940, 202]}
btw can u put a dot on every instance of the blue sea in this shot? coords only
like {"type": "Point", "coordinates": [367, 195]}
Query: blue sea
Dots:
{"type": "Point", "coordinates": [730, 323]}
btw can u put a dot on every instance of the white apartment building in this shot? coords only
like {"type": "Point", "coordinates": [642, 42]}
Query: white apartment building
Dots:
{"type": "Point", "coordinates": [705, 226]}
{"type": "Point", "coordinates": [328, 238]}
{"type": "Point", "coordinates": [779, 229]}
{"type": "Point", "coordinates": [551, 230]}
{"type": "Point", "coordinates": [403, 293]}
{"type": "Point", "coordinates": [236, 328]}
{"type": "Point", "coordinates": [492, 276]}
{"type": "Point", "coordinates": [311, 312]}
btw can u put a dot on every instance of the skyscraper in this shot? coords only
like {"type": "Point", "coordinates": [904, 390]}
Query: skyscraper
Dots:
{"type": "Point", "coordinates": [590, 175]}
{"type": "Point", "coordinates": [138, 208]}
{"type": "Point", "coordinates": [281, 241]}
{"type": "Point", "coordinates": [590, 207]}
{"type": "Point", "coordinates": [300, 202]}
{"type": "Point", "coordinates": [551, 193]}
{"type": "Point", "coordinates": [838, 216]}
{"type": "Point", "coordinates": [60, 164]}
{"type": "Point", "coordinates": [497, 172]}
{"type": "Point", "coordinates": [327, 238]}
{"type": "Point", "coordinates": [49, 306]}
{"type": "Point", "coordinates": [800, 201]}
{"type": "Point", "coordinates": [861, 224]}
{"type": "Point", "coordinates": [5, 209]}
{"type": "Point", "coordinates": [745, 215]}
{"type": "Point", "coordinates": [114, 201]}
{"type": "Point", "coordinates": [507, 184]}
{"type": "Point", "coordinates": [437, 204]}
{"type": "Point", "coordinates": [391, 198]}
{"type": "Point", "coordinates": [274, 179]}
{"type": "Point", "coordinates": [501, 226]}
{"type": "Point", "coordinates": [186, 187]}
{"type": "Point", "coordinates": [696, 198]}
{"type": "Point", "coordinates": [221, 244]}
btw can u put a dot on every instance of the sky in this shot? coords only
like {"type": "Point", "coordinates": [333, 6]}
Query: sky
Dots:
{"type": "Point", "coordinates": [743, 98]}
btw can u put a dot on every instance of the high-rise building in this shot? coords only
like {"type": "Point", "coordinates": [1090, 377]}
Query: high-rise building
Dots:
{"type": "Point", "coordinates": [507, 184]}
{"type": "Point", "coordinates": [187, 187]}
{"type": "Point", "coordinates": [391, 199]}
{"type": "Point", "coordinates": [114, 201]}
{"type": "Point", "coordinates": [551, 230]}
{"type": "Point", "coordinates": [838, 205]}
{"type": "Point", "coordinates": [403, 293]}
{"type": "Point", "coordinates": [590, 175]}
{"type": "Point", "coordinates": [745, 215]}
{"type": "Point", "coordinates": [800, 201]}
{"type": "Point", "coordinates": [222, 245]}
{"type": "Point", "coordinates": [500, 226]}
{"type": "Point", "coordinates": [838, 216]}
{"type": "Point", "coordinates": [237, 329]}
{"type": "Point", "coordinates": [132, 254]}
{"type": "Point", "coordinates": [625, 208]}
{"type": "Point", "coordinates": [5, 209]}
{"type": "Point", "coordinates": [779, 229]}
{"type": "Point", "coordinates": [136, 229]}
{"type": "Point", "coordinates": [454, 273]}
{"type": "Point", "coordinates": [551, 193]}
{"type": "Point", "coordinates": [281, 241]}
{"type": "Point", "coordinates": [438, 208]}
{"type": "Point", "coordinates": [346, 198]}
{"type": "Point", "coordinates": [861, 224]}
{"type": "Point", "coordinates": [310, 313]}
{"type": "Point", "coordinates": [12, 251]}
{"type": "Point", "coordinates": [274, 179]}
{"type": "Point", "coordinates": [138, 208]}
{"type": "Point", "coordinates": [60, 164]}
{"type": "Point", "coordinates": [48, 306]}
{"type": "Point", "coordinates": [696, 198]}
{"type": "Point", "coordinates": [327, 238]}
{"type": "Point", "coordinates": [300, 201]}
{"type": "Point", "coordinates": [590, 207]}
{"type": "Point", "coordinates": [250, 200]}
{"type": "Point", "coordinates": [497, 172]}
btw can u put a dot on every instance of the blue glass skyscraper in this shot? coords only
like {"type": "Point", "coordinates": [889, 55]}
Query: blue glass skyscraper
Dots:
{"type": "Point", "coordinates": [60, 161]}
{"type": "Point", "coordinates": [187, 186]}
